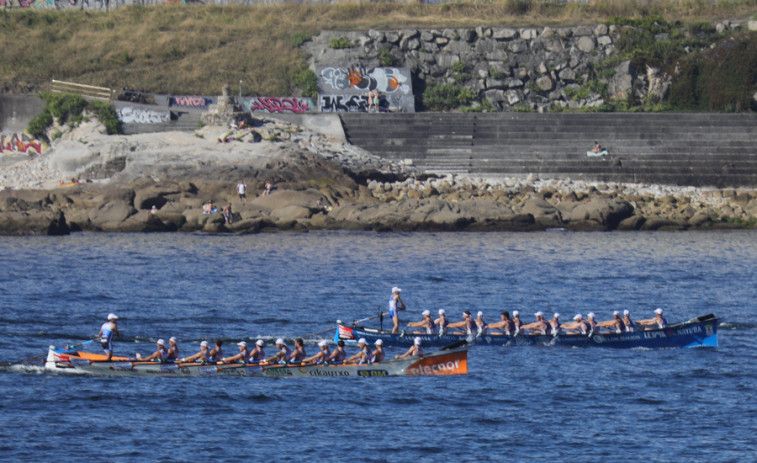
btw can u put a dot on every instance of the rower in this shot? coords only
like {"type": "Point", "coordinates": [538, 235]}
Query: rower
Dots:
{"type": "Point", "coordinates": [627, 321]}
{"type": "Point", "coordinates": [107, 331]}
{"type": "Point", "coordinates": [378, 354]}
{"type": "Point", "coordinates": [555, 324]}
{"type": "Point", "coordinates": [442, 323]}
{"type": "Point", "coordinates": [363, 356]}
{"type": "Point", "coordinates": [283, 355]}
{"type": "Point", "coordinates": [415, 350]}
{"type": "Point", "coordinates": [298, 354]}
{"type": "Point", "coordinates": [395, 305]}
{"type": "Point", "coordinates": [258, 354]}
{"type": "Point", "coordinates": [321, 357]}
{"type": "Point", "coordinates": [577, 326]}
{"type": "Point", "coordinates": [480, 324]}
{"type": "Point", "coordinates": [173, 350]}
{"type": "Point", "coordinates": [427, 324]}
{"type": "Point", "coordinates": [216, 353]}
{"type": "Point", "coordinates": [201, 356]}
{"type": "Point", "coordinates": [159, 355]}
{"type": "Point", "coordinates": [467, 323]}
{"type": "Point", "coordinates": [540, 326]}
{"type": "Point", "coordinates": [517, 322]}
{"type": "Point", "coordinates": [339, 354]}
{"type": "Point", "coordinates": [591, 320]}
{"type": "Point", "coordinates": [506, 325]}
{"type": "Point", "coordinates": [241, 357]}
{"type": "Point", "coordinates": [616, 324]}
{"type": "Point", "coordinates": [658, 320]}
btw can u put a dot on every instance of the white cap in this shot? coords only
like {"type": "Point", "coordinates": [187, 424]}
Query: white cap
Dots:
{"type": "Point", "coordinates": [626, 312]}
{"type": "Point", "coordinates": [172, 339]}
{"type": "Point", "coordinates": [615, 312]}
{"type": "Point", "coordinates": [361, 341]}
{"type": "Point", "coordinates": [204, 344]}
{"type": "Point", "coordinates": [417, 341]}
{"type": "Point", "coordinates": [539, 314]}
{"type": "Point", "coordinates": [556, 315]}
{"type": "Point", "coordinates": [658, 311]}
{"type": "Point", "coordinates": [480, 314]}
{"type": "Point", "coordinates": [590, 315]}
{"type": "Point", "coordinates": [515, 312]}
{"type": "Point", "coordinates": [161, 342]}
{"type": "Point", "coordinates": [426, 312]}
{"type": "Point", "coordinates": [323, 344]}
{"type": "Point", "coordinates": [260, 343]}
{"type": "Point", "coordinates": [242, 344]}
{"type": "Point", "coordinates": [112, 316]}
{"type": "Point", "coordinates": [441, 311]}
{"type": "Point", "coordinates": [396, 290]}
{"type": "Point", "coordinates": [280, 341]}
{"type": "Point", "coordinates": [379, 342]}
{"type": "Point", "coordinates": [578, 316]}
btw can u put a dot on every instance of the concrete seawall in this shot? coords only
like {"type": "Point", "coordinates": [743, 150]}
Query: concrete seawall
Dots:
{"type": "Point", "coordinates": [665, 148]}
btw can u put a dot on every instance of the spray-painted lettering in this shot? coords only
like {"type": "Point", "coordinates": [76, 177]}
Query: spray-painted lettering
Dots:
{"type": "Point", "coordinates": [280, 105]}
{"type": "Point", "coordinates": [189, 101]}
{"type": "Point", "coordinates": [130, 115]}
{"type": "Point", "coordinates": [385, 80]}
{"type": "Point", "coordinates": [20, 143]}
{"type": "Point", "coordinates": [344, 103]}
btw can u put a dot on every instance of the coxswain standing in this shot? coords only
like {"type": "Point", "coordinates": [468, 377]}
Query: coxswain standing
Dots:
{"type": "Point", "coordinates": [395, 305]}
{"type": "Point", "coordinates": [107, 331]}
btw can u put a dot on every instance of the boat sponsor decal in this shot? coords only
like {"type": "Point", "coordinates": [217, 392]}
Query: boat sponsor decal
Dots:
{"type": "Point", "coordinates": [169, 368]}
{"type": "Point", "coordinates": [372, 373]}
{"type": "Point", "coordinates": [708, 330]}
{"type": "Point", "coordinates": [209, 370]}
{"type": "Point", "coordinates": [323, 371]}
{"type": "Point", "coordinates": [278, 372]}
{"type": "Point", "coordinates": [346, 333]}
{"type": "Point", "coordinates": [451, 364]}
{"type": "Point", "coordinates": [121, 366]}
{"type": "Point", "coordinates": [77, 362]}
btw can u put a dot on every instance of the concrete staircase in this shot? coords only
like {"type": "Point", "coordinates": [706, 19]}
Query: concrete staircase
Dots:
{"type": "Point", "coordinates": [667, 148]}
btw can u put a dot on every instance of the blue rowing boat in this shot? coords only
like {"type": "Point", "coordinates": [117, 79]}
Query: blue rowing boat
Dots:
{"type": "Point", "coordinates": [697, 332]}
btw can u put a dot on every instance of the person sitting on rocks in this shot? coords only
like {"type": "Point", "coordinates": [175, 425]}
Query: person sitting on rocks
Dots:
{"type": "Point", "coordinates": [597, 150]}
{"type": "Point", "coordinates": [209, 208]}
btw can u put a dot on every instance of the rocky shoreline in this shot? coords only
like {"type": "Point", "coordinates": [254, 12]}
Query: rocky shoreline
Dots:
{"type": "Point", "coordinates": [159, 182]}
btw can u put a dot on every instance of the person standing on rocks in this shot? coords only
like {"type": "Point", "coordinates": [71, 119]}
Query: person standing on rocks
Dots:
{"type": "Point", "coordinates": [242, 190]}
{"type": "Point", "coordinates": [227, 214]}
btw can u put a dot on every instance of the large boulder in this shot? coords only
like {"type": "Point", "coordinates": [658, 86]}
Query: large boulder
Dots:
{"type": "Point", "coordinates": [33, 223]}
{"type": "Point", "coordinates": [111, 215]}
{"type": "Point", "coordinates": [605, 212]}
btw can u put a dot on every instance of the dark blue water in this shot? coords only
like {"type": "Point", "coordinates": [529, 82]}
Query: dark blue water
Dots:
{"type": "Point", "coordinates": [519, 404]}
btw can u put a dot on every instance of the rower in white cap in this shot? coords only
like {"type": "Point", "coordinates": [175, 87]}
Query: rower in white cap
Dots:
{"type": "Point", "coordinates": [159, 355]}
{"type": "Point", "coordinates": [378, 354]}
{"type": "Point", "coordinates": [321, 357]}
{"type": "Point", "coordinates": [591, 320]}
{"type": "Point", "coordinates": [415, 350]}
{"type": "Point", "coordinates": [427, 324]}
{"type": "Point", "coordinates": [577, 326]}
{"type": "Point", "coordinates": [107, 331]}
{"type": "Point", "coordinates": [441, 323]}
{"type": "Point", "coordinates": [395, 305]}
{"type": "Point", "coordinates": [258, 354]}
{"type": "Point", "coordinates": [658, 320]}
{"type": "Point", "coordinates": [173, 350]}
{"type": "Point", "coordinates": [540, 326]}
{"type": "Point", "coordinates": [517, 321]}
{"type": "Point", "coordinates": [480, 324]}
{"type": "Point", "coordinates": [202, 357]}
{"type": "Point", "coordinates": [363, 356]}
{"type": "Point", "coordinates": [616, 324]}
{"type": "Point", "coordinates": [283, 355]}
{"type": "Point", "coordinates": [241, 357]}
{"type": "Point", "coordinates": [627, 321]}
{"type": "Point", "coordinates": [554, 324]}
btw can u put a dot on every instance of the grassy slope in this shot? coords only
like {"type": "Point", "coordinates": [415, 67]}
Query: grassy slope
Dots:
{"type": "Point", "coordinates": [197, 49]}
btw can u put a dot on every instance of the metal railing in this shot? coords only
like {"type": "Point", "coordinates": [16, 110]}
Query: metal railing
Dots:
{"type": "Point", "coordinates": [90, 91]}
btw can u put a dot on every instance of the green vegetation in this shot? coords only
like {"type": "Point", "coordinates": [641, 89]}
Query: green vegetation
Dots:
{"type": "Point", "coordinates": [386, 58]}
{"type": "Point", "coordinates": [307, 82]}
{"type": "Point", "coordinates": [446, 97]}
{"type": "Point", "coordinates": [68, 109]}
{"type": "Point", "coordinates": [340, 42]}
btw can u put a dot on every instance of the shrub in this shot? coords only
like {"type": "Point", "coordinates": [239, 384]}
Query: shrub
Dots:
{"type": "Point", "coordinates": [69, 109]}
{"type": "Point", "coordinates": [444, 97]}
{"type": "Point", "coordinates": [298, 38]}
{"type": "Point", "coordinates": [307, 81]}
{"type": "Point", "coordinates": [340, 42]}
{"type": "Point", "coordinates": [387, 59]}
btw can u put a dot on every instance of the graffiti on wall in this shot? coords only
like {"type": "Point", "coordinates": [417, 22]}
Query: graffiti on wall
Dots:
{"type": "Point", "coordinates": [60, 4]}
{"type": "Point", "coordinates": [268, 104]}
{"type": "Point", "coordinates": [130, 115]}
{"type": "Point", "coordinates": [345, 103]}
{"type": "Point", "coordinates": [190, 101]}
{"type": "Point", "coordinates": [342, 80]}
{"type": "Point", "coordinates": [20, 143]}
